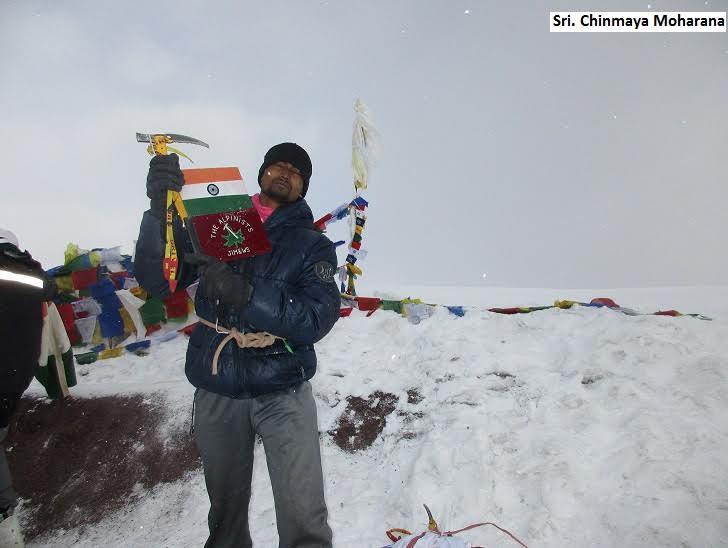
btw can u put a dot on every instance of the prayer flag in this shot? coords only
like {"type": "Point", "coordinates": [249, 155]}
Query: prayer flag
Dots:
{"type": "Point", "coordinates": [84, 278]}
{"type": "Point", "coordinates": [176, 305]}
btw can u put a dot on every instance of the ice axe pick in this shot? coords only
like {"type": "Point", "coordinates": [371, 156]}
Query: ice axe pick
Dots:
{"type": "Point", "coordinates": [158, 143]}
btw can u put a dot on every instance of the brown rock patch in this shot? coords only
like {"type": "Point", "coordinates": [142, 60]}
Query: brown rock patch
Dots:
{"type": "Point", "coordinates": [363, 420]}
{"type": "Point", "coordinates": [414, 396]}
{"type": "Point", "coordinates": [77, 460]}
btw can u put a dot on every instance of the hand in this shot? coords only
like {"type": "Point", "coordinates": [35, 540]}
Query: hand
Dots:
{"type": "Point", "coordinates": [164, 174]}
{"type": "Point", "coordinates": [220, 284]}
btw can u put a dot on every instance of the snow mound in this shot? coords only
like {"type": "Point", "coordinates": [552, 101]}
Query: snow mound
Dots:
{"type": "Point", "coordinates": [579, 427]}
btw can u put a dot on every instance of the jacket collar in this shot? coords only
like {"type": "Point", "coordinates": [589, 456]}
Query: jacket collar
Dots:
{"type": "Point", "coordinates": [296, 214]}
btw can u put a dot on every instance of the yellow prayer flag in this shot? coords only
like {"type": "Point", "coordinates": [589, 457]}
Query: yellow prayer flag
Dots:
{"type": "Point", "coordinates": [97, 338]}
{"type": "Point", "coordinates": [353, 269]}
{"type": "Point", "coordinates": [128, 323]}
{"type": "Point", "coordinates": [65, 284]}
{"type": "Point", "coordinates": [111, 353]}
{"type": "Point", "coordinates": [139, 292]}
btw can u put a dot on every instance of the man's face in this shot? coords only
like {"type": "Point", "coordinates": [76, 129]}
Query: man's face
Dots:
{"type": "Point", "coordinates": [282, 182]}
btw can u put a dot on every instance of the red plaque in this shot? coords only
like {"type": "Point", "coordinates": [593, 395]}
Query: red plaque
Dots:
{"type": "Point", "coordinates": [222, 222]}
{"type": "Point", "coordinates": [230, 235]}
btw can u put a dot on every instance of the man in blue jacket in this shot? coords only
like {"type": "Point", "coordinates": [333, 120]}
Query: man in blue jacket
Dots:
{"type": "Point", "coordinates": [243, 390]}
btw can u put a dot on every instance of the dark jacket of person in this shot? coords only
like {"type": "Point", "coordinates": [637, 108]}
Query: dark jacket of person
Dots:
{"type": "Point", "coordinates": [21, 327]}
{"type": "Point", "coordinates": [294, 296]}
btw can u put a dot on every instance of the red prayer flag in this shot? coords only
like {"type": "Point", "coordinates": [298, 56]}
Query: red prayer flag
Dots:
{"type": "Point", "coordinates": [668, 313]}
{"type": "Point", "coordinates": [368, 303]}
{"type": "Point", "coordinates": [176, 305]}
{"type": "Point", "coordinates": [604, 301]}
{"type": "Point", "coordinates": [152, 328]}
{"type": "Point", "coordinates": [188, 329]}
{"type": "Point", "coordinates": [69, 322]}
{"type": "Point", "coordinates": [505, 310]}
{"type": "Point", "coordinates": [321, 223]}
{"type": "Point", "coordinates": [82, 279]}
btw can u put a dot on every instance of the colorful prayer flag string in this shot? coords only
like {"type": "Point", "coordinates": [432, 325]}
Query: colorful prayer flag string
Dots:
{"type": "Point", "coordinates": [365, 149]}
{"type": "Point", "coordinates": [415, 310]}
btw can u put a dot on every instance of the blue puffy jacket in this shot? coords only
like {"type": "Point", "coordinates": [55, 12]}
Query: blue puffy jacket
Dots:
{"type": "Point", "coordinates": [294, 296]}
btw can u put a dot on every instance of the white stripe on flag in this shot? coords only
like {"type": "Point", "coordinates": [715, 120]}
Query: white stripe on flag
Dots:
{"type": "Point", "coordinates": [213, 190]}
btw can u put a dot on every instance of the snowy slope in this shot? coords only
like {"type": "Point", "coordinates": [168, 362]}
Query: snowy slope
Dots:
{"type": "Point", "coordinates": [579, 427]}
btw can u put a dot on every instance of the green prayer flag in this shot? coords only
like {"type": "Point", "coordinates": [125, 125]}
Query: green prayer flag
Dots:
{"type": "Point", "coordinates": [48, 376]}
{"type": "Point", "coordinates": [86, 358]}
{"type": "Point", "coordinates": [395, 306]}
{"type": "Point", "coordinates": [153, 312]}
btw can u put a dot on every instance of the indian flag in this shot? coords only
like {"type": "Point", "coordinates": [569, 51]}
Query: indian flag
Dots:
{"type": "Point", "coordinates": [214, 190]}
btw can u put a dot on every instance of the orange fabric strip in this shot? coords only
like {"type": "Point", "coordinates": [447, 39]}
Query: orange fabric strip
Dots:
{"type": "Point", "coordinates": [211, 175]}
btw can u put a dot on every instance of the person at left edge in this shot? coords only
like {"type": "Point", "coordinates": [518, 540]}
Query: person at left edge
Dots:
{"type": "Point", "coordinates": [24, 287]}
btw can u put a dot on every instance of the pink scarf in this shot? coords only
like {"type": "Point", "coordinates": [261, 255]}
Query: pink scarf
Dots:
{"type": "Point", "coordinates": [263, 211]}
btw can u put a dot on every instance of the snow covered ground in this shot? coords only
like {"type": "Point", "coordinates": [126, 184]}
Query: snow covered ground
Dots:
{"type": "Point", "coordinates": [579, 427]}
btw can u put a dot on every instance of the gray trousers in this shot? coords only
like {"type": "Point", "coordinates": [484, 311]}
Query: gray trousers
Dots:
{"type": "Point", "coordinates": [225, 431]}
{"type": "Point", "coordinates": [8, 496]}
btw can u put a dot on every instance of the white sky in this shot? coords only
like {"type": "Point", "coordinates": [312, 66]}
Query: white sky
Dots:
{"type": "Point", "coordinates": [538, 159]}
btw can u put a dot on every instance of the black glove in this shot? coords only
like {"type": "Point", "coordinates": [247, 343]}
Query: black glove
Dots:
{"type": "Point", "coordinates": [220, 283]}
{"type": "Point", "coordinates": [164, 174]}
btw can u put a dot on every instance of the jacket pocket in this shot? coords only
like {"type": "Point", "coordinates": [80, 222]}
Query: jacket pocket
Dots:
{"type": "Point", "coordinates": [198, 365]}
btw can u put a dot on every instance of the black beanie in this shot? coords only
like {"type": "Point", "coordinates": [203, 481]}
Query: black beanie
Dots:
{"type": "Point", "coordinates": [292, 154]}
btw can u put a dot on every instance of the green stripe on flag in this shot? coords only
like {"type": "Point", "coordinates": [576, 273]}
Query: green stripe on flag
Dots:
{"type": "Point", "coordinates": [219, 204]}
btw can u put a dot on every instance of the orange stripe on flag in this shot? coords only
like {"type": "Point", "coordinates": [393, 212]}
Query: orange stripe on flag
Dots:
{"type": "Point", "coordinates": [211, 175]}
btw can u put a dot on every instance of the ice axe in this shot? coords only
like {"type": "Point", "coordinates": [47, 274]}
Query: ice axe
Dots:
{"type": "Point", "coordinates": [159, 145]}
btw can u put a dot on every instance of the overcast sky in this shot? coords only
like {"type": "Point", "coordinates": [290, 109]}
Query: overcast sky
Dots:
{"type": "Point", "coordinates": [512, 156]}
